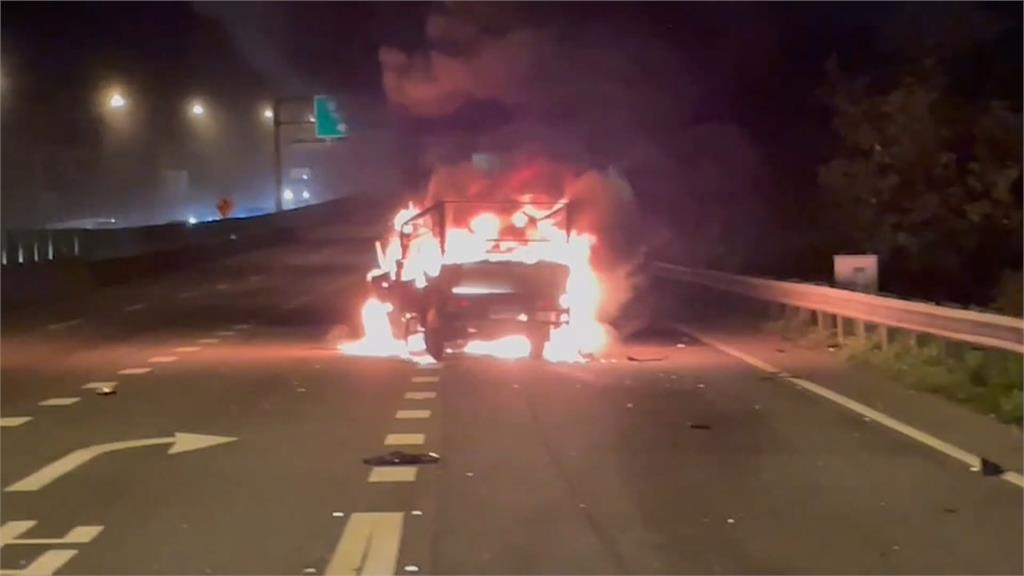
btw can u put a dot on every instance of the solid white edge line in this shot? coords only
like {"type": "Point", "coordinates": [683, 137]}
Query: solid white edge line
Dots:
{"type": "Point", "coordinates": [888, 421]}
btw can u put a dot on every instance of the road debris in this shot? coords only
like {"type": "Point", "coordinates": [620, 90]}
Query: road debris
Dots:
{"type": "Point", "coordinates": [105, 391]}
{"type": "Point", "coordinates": [470, 474]}
{"type": "Point", "coordinates": [629, 405]}
{"type": "Point", "coordinates": [338, 514]}
{"type": "Point", "coordinates": [990, 468]}
{"type": "Point", "coordinates": [417, 512]}
{"type": "Point", "coordinates": [411, 568]}
{"type": "Point", "coordinates": [832, 347]}
{"type": "Point", "coordinates": [695, 426]}
{"type": "Point", "coordinates": [949, 510]}
{"type": "Point", "coordinates": [757, 406]}
{"type": "Point", "coordinates": [680, 345]}
{"type": "Point", "coordinates": [780, 350]}
{"type": "Point", "coordinates": [641, 359]}
{"type": "Point", "coordinates": [730, 520]}
{"type": "Point", "coordinates": [400, 458]}
{"type": "Point", "coordinates": [300, 389]}
{"type": "Point", "coordinates": [309, 570]}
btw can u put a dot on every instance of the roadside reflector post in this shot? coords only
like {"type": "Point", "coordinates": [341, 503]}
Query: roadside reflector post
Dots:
{"type": "Point", "coordinates": [840, 329]}
{"type": "Point", "coordinates": [819, 317]}
{"type": "Point", "coordinates": [858, 325]}
{"type": "Point", "coordinates": [883, 336]}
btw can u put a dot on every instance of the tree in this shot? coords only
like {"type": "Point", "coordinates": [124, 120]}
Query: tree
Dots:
{"type": "Point", "coordinates": [927, 180]}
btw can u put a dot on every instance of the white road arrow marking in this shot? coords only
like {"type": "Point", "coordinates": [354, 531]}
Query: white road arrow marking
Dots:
{"type": "Point", "coordinates": [369, 544]}
{"type": "Point", "coordinates": [47, 563]}
{"type": "Point", "coordinates": [10, 532]}
{"type": "Point", "coordinates": [180, 442]}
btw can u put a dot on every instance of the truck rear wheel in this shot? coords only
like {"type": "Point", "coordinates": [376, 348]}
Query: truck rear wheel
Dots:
{"type": "Point", "coordinates": [434, 335]}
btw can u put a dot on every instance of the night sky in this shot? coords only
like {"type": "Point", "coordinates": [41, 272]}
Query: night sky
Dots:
{"type": "Point", "coordinates": [665, 76]}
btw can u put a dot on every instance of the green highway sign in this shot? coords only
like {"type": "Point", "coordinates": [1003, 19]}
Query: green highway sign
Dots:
{"type": "Point", "coordinates": [327, 116]}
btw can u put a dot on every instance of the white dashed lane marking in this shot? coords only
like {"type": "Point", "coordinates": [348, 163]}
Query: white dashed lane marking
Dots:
{"type": "Point", "coordinates": [162, 359]}
{"type": "Point", "coordinates": [188, 349]}
{"type": "Point", "coordinates": [134, 370]}
{"type": "Point", "coordinates": [134, 307]}
{"type": "Point", "coordinates": [405, 439]}
{"type": "Point", "coordinates": [420, 395]}
{"type": "Point", "coordinates": [412, 414]}
{"type": "Point", "coordinates": [208, 340]}
{"type": "Point", "coordinates": [225, 333]}
{"type": "Point", "coordinates": [425, 379]}
{"type": "Point", "coordinates": [392, 474]}
{"type": "Point", "coordinates": [66, 401]}
{"type": "Point", "coordinates": [64, 324]}
{"type": "Point", "coordinates": [98, 385]}
{"type": "Point", "coordinates": [12, 421]}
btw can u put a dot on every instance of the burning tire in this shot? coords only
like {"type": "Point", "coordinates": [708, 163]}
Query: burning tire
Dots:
{"type": "Point", "coordinates": [435, 334]}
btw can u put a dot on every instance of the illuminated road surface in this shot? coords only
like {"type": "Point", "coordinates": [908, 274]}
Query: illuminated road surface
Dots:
{"type": "Point", "coordinates": [697, 463]}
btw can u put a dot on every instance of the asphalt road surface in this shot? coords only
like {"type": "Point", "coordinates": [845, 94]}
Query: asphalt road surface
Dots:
{"type": "Point", "coordinates": [695, 463]}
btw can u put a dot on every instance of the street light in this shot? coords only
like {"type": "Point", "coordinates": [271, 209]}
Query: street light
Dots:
{"type": "Point", "coordinates": [117, 101]}
{"type": "Point", "coordinates": [268, 113]}
{"type": "Point", "coordinates": [197, 109]}
{"type": "Point", "coordinates": [287, 194]}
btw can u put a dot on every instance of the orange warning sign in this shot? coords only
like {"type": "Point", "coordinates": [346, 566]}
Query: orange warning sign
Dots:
{"type": "Point", "coordinates": [225, 206]}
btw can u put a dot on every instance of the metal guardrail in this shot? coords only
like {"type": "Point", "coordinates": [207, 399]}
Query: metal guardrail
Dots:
{"type": "Point", "coordinates": [981, 328]}
{"type": "Point", "coordinates": [25, 248]}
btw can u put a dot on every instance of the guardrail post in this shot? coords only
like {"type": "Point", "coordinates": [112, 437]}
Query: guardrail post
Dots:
{"type": "Point", "coordinates": [883, 336]}
{"type": "Point", "coordinates": [819, 318]}
{"type": "Point", "coordinates": [858, 325]}
{"type": "Point", "coordinates": [840, 329]}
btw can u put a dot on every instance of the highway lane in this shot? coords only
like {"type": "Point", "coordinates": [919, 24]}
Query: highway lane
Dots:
{"type": "Point", "coordinates": [697, 463]}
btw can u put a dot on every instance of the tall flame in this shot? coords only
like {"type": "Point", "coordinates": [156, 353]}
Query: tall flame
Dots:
{"type": "Point", "coordinates": [479, 240]}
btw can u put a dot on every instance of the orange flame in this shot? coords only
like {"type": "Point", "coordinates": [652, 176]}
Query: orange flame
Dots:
{"type": "Point", "coordinates": [478, 241]}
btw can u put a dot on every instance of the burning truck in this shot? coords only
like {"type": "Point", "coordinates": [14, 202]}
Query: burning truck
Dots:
{"type": "Point", "coordinates": [507, 279]}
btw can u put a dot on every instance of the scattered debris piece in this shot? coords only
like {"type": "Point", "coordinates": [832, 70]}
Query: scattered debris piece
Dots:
{"type": "Point", "coordinates": [309, 570]}
{"type": "Point", "coordinates": [696, 426]}
{"type": "Point", "coordinates": [949, 510]}
{"type": "Point", "coordinates": [974, 468]}
{"type": "Point", "coordinates": [338, 514]}
{"type": "Point", "coordinates": [757, 406]}
{"type": "Point", "coordinates": [832, 347]}
{"type": "Point", "coordinates": [400, 458]}
{"type": "Point", "coordinates": [641, 359]}
{"type": "Point", "coordinates": [730, 520]}
{"type": "Point", "coordinates": [866, 419]}
{"type": "Point", "coordinates": [417, 512]}
{"type": "Point", "coordinates": [105, 391]}
{"type": "Point", "coordinates": [990, 468]}
{"type": "Point", "coordinates": [411, 568]}
{"type": "Point", "coordinates": [700, 384]}
{"type": "Point", "coordinates": [780, 350]}
{"type": "Point", "coordinates": [680, 345]}
{"type": "Point", "coordinates": [895, 547]}
{"type": "Point", "coordinates": [470, 474]}
{"type": "Point", "coordinates": [300, 389]}
{"type": "Point", "coordinates": [629, 405]}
